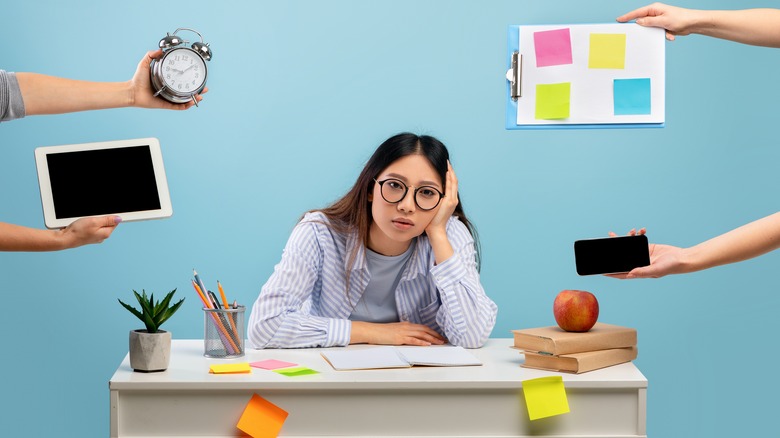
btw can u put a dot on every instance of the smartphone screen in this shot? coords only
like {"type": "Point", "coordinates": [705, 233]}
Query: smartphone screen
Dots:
{"type": "Point", "coordinates": [611, 255]}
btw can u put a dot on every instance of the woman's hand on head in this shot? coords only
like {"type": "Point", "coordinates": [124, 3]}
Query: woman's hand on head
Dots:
{"type": "Point", "coordinates": [394, 333]}
{"type": "Point", "coordinates": [447, 205]}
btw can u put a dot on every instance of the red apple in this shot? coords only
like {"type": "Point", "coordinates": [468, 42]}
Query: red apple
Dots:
{"type": "Point", "coordinates": [576, 310]}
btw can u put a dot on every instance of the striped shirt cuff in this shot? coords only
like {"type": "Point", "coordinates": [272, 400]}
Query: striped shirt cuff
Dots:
{"type": "Point", "coordinates": [449, 272]}
{"type": "Point", "coordinates": [339, 333]}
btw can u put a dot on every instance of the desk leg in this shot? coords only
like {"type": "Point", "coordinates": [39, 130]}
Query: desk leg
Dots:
{"type": "Point", "coordinates": [642, 414]}
{"type": "Point", "coordinates": [114, 399]}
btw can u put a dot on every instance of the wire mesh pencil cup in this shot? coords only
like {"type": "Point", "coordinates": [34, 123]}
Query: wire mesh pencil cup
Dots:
{"type": "Point", "coordinates": [224, 332]}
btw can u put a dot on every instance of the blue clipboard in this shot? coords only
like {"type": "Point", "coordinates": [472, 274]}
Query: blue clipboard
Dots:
{"type": "Point", "coordinates": [513, 47]}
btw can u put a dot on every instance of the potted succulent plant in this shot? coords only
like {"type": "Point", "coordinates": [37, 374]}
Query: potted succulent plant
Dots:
{"type": "Point", "coordinates": [150, 349]}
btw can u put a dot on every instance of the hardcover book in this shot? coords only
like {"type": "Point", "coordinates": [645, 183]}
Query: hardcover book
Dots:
{"type": "Point", "coordinates": [579, 362]}
{"type": "Point", "coordinates": [556, 341]}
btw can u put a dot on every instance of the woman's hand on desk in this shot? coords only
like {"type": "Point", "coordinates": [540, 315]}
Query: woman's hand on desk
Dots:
{"type": "Point", "coordinates": [395, 333]}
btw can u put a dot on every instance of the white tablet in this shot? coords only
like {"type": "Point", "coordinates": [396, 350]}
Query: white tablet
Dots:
{"type": "Point", "coordinates": [124, 178]}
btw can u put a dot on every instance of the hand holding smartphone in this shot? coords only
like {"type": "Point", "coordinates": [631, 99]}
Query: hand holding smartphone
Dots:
{"type": "Point", "coordinates": [611, 255]}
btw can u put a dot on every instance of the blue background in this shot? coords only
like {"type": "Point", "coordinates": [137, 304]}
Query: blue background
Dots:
{"type": "Point", "coordinates": [301, 93]}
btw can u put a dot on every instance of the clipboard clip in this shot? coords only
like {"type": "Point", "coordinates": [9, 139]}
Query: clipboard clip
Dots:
{"type": "Point", "coordinates": [515, 76]}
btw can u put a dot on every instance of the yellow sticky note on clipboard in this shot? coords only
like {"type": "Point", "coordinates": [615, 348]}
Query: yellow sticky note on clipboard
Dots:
{"type": "Point", "coordinates": [545, 397]}
{"type": "Point", "coordinates": [607, 50]}
{"type": "Point", "coordinates": [230, 368]}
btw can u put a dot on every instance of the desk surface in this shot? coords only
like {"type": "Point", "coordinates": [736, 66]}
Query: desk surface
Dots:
{"type": "Point", "coordinates": [474, 401]}
{"type": "Point", "coordinates": [189, 370]}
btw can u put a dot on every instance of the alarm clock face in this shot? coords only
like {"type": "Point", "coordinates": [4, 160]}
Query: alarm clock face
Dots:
{"type": "Point", "coordinates": [183, 71]}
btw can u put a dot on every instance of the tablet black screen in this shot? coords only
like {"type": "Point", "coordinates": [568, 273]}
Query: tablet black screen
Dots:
{"type": "Point", "coordinates": [106, 181]}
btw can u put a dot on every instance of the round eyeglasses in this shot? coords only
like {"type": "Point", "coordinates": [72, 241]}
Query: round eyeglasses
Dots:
{"type": "Point", "coordinates": [394, 191]}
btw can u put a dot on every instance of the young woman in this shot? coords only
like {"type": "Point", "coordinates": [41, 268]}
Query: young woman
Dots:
{"type": "Point", "coordinates": [392, 262]}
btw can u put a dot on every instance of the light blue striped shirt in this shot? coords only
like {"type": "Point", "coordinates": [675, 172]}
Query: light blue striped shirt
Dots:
{"type": "Point", "coordinates": [304, 303]}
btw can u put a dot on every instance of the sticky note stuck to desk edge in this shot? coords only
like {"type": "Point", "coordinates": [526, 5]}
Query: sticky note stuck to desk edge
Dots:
{"type": "Point", "coordinates": [545, 397]}
{"type": "Point", "coordinates": [261, 418]}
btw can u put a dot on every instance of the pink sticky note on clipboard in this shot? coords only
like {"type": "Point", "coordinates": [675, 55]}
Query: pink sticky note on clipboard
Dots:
{"type": "Point", "coordinates": [552, 47]}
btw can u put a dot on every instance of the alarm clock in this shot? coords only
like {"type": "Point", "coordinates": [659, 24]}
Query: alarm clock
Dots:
{"type": "Point", "coordinates": [181, 73]}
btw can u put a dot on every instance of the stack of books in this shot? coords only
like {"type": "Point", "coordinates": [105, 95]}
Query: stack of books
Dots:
{"type": "Point", "coordinates": [553, 349]}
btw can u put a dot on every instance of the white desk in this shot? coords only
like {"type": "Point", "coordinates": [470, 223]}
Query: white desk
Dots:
{"type": "Point", "coordinates": [483, 401]}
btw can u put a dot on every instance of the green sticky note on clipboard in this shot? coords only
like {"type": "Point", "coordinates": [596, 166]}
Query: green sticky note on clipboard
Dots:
{"type": "Point", "coordinates": [545, 397]}
{"type": "Point", "coordinates": [553, 101]}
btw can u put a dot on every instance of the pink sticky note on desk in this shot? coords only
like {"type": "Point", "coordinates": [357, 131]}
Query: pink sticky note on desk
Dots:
{"type": "Point", "coordinates": [272, 364]}
{"type": "Point", "coordinates": [261, 418]}
{"type": "Point", "coordinates": [552, 47]}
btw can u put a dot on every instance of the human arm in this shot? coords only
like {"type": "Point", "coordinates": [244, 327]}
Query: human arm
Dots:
{"type": "Point", "coordinates": [745, 242]}
{"type": "Point", "coordinates": [758, 27]}
{"type": "Point", "coordinates": [437, 228]}
{"type": "Point", "coordinates": [466, 314]}
{"type": "Point", "coordinates": [81, 232]}
{"type": "Point", "coordinates": [43, 94]}
{"type": "Point", "coordinates": [394, 333]}
{"type": "Point", "coordinates": [282, 315]}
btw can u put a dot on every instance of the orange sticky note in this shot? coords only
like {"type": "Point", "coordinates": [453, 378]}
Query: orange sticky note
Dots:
{"type": "Point", "coordinates": [230, 368]}
{"type": "Point", "coordinates": [261, 418]}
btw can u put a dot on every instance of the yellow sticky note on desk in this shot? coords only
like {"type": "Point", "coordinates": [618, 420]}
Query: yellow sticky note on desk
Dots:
{"type": "Point", "coordinates": [261, 418]}
{"type": "Point", "coordinates": [230, 368]}
{"type": "Point", "coordinates": [545, 397]}
{"type": "Point", "coordinates": [607, 50]}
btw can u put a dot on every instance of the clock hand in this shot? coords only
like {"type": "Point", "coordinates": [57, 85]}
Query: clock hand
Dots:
{"type": "Point", "coordinates": [191, 65]}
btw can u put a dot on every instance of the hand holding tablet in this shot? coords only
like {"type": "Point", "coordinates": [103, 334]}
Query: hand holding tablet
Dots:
{"type": "Point", "coordinates": [125, 178]}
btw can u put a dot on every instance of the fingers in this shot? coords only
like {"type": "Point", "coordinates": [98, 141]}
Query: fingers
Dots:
{"type": "Point", "coordinates": [452, 183]}
{"type": "Point", "coordinates": [636, 13]}
{"type": "Point", "coordinates": [146, 61]}
{"type": "Point", "coordinates": [418, 334]}
{"type": "Point", "coordinates": [111, 221]}
{"type": "Point", "coordinates": [633, 232]}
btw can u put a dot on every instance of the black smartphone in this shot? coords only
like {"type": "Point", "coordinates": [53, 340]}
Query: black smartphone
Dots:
{"type": "Point", "coordinates": [611, 255]}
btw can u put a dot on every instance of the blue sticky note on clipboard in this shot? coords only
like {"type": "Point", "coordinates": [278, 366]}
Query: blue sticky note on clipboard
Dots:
{"type": "Point", "coordinates": [632, 96]}
{"type": "Point", "coordinates": [593, 101]}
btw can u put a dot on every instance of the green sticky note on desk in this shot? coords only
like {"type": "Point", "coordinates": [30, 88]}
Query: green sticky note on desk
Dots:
{"type": "Point", "coordinates": [545, 397]}
{"type": "Point", "coordinates": [553, 101]}
{"type": "Point", "coordinates": [607, 50]}
{"type": "Point", "coordinates": [295, 371]}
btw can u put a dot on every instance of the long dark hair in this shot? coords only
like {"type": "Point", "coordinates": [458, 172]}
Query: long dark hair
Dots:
{"type": "Point", "coordinates": [353, 211]}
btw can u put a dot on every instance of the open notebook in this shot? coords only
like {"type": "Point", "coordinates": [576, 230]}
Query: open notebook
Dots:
{"type": "Point", "coordinates": [399, 357]}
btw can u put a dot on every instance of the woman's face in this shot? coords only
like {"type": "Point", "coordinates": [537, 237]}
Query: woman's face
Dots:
{"type": "Point", "coordinates": [396, 224]}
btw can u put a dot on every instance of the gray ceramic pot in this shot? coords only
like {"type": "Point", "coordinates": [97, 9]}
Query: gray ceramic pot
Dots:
{"type": "Point", "coordinates": [150, 352]}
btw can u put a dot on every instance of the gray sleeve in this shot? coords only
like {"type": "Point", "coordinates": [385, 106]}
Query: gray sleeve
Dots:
{"type": "Point", "coordinates": [11, 102]}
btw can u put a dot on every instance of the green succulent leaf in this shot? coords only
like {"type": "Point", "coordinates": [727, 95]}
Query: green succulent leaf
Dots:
{"type": "Point", "coordinates": [151, 314]}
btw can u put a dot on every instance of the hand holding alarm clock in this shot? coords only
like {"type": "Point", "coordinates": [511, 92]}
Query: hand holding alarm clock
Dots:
{"type": "Point", "coordinates": [181, 73]}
